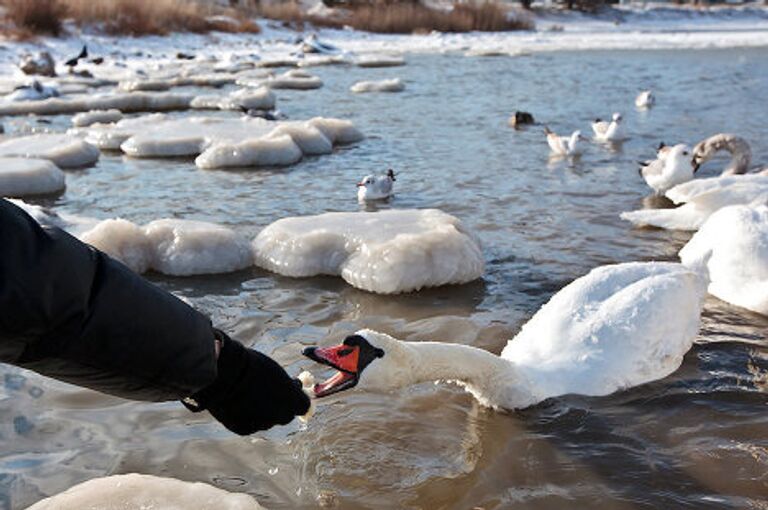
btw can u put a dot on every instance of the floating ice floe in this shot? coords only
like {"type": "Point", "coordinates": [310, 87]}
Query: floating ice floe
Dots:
{"type": "Point", "coordinates": [384, 252]}
{"type": "Point", "coordinates": [21, 177]}
{"type": "Point", "coordinates": [125, 102]}
{"type": "Point", "coordinates": [322, 60]}
{"type": "Point", "coordinates": [220, 142]}
{"type": "Point", "coordinates": [171, 246]}
{"type": "Point", "coordinates": [701, 198]}
{"type": "Point", "coordinates": [32, 92]}
{"type": "Point", "coordinates": [85, 119]}
{"type": "Point", "coordinates": [296, 79]}
{"type": "Point", "coordinates": [392, 85]}
{"type": "Point", "coordinates": [260, 98]}
{"type": "Point", "coordinates": [145, 491]}
{"type": "Point", "coordinates": [379, 61]}
{"type": "Point", "coordinates": [732, 245]}
{"type": "Point", "coordinates": [64, 151]}
{"type": "Point", "coordinates": [161, 84]}
{"type": "Point", "coordinates": [278, 62]}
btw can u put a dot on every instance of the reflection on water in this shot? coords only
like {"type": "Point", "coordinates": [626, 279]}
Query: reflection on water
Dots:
{"type": "Point", "coordinates": [696, 439]}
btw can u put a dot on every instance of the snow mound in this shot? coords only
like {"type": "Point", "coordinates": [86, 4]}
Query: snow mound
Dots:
{"type": "Point", "coordinates": [270, 150]}
{"type": "Point", "coordinates": [393, 85]}
{"type": "Point", "coordinates": [111, 136]}
{"type": "Point", "coordinates": [385, 252]}
{"type": "Point", "coordinates": [85, 119]}
{"type": "Point", "coordinates": [128, 102]}
{"type": "Point", "coordinates": [379, 61]}
{"type": "Point", "coordinates": [733, 245]}
{"type": "Point", "coordinates": [64, 151]}
{"type": "Point", "coordinates": [135, 491]}
{"type": "Point", "coordinates": [22, 177]}
{"type": "Point", "coordinates": [171, 246]}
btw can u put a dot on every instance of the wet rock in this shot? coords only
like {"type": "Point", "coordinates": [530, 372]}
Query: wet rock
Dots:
{"type": "Point", "coordinates": [40, 64]}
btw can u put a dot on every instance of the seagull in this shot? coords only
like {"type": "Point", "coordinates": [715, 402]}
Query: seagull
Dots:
{"type": "Point", "coordinates": [35, 91]}
{"type": "Point", "coordinates": [645, 99]}
{"type": "Point", "coordinates": [608, 131]}
{"type": "Point", "coordinates": [672, 166]}
{"type": "Point", "coordinates": [376, 188]}
{"type": "Point", "coordinates": [564, 145]}
{"type": "Point", "coordinates": [72, 62]}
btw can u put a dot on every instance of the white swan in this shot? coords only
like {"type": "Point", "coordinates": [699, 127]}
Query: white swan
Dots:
{"type": "Point", "coordinates": [738, 147]}
{"type": "Point", "coordinates": [376, 187]}
{"type": "Point", "coordinates": [701, 198]}
{"type": "Point", "coordinates": [617, 327]}
{"type": "Point", "coordinates": [645, 99]}
{"type": "Point", "coordinates": [135, 491]}
{"type": "Point", "coordinates": [671, 167]}
{"type": "Point", "coordinates": [564, 145]}
{"type": "Point", "coordinates": [608, 131]}
{"type": "Point", "coordinates": [733, 244]}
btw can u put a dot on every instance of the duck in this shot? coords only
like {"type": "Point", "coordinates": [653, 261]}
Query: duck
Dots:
{"type": "Point", "coordinates": [700, 198]}
{"type": "Point", "coordinates": [376, 188]}
{"type": "Point", "coordinates": [738, 147]}
{"type": "Point", "coordinates": [608, 131]}
{"type": "Point", "coordinates": [672, 166]}
{"type": "Point", "coordinates": [645, 99]}
{"type": "Point", "coordinates": [35, 91]}
{"type": "Point", "coordinates": [733, 246]}
{"type": "Point", "coordinates": [564, 145]}
{"type": "Point", "coordinates": [617, 327]}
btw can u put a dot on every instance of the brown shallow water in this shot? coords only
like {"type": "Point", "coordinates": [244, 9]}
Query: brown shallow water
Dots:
{"type": "Point", "coordinates": [697, 439]}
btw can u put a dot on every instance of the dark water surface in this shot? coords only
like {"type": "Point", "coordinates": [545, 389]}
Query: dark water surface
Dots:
{"type": "Point", "coordinates": [697, 439]}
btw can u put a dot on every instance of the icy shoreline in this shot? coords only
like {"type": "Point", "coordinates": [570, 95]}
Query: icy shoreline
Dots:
{"type": "Point", "coordinates": [651, 28]}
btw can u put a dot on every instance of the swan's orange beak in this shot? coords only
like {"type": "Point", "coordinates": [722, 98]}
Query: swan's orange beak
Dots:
{"type": "Point", "coordinates": [343, 358]}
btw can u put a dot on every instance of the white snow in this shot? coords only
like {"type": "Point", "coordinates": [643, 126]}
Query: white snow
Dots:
{"type": "Point", "coordinates": [384, 252]}
{"type": "Point", "coordinates": [85, 119]}
{"type": "Point", "coordinates": [391, 85]}
{"type": "Point", "coordinates": [379, 61]}
{"type": "Point", "coordinates": [172, 246]}
{"type": "Point", "coordinates": [65, 151]}
{"type": "Point", "coordinates": [125, 102]}
{"type": "Point", "coordinates": [144, 492]}
{"type": "Point", "coordinates": [733, 245]}
{"type": "Point", "coordinates": [260, 98]}
{"type": "Point", "coordinates": [21, 177]}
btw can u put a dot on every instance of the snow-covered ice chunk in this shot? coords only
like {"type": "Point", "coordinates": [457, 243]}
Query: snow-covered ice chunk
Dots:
{"type": "Point", "coordinates": [64, 151]}
{"type": "Point", "coordinates": [146, 491]}
{"type": "Point", "coordinates": [260, 98]}
{"type": "Point", "coordinates": [125, 102]}
{"type": "Point", "coordinates": [85, 119]}
{"type": "Point", "coordinates": [158, 85]}
{"type": "Point", "coordinates": [34, 92]}
{"type": "Point", "coordinates": [270, 150]}
{"type": "Point", "coordinates": [384, 252]}
{"type": "Point", "coordinates": [185, 247]}
{"type": "Point", "coordinates": [294, 79]}
{"type": "Point", "coordinates": [21, 177]}
{"type": "Point", "coordinates": [111, 136]}
{"type": "Point", "coordinates": [172, 246]}
{"type": "Point", "coordinates": [338, 131]}
{"type": "Point", "coordinates": [392, 85]}
{"type": "Point", "coordinates": [379, 61]}
{"type": "Point", "coordinates": [732, 245]}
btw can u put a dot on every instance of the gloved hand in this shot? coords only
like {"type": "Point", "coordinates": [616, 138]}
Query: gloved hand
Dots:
{"type": "Point", "coordinates": [251, 391]}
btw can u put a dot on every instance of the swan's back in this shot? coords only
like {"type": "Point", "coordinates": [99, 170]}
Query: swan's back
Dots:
{"type": "Point", "coordinates": [686, 192]}
{"type": "Point", "coordinates": [618, 326]}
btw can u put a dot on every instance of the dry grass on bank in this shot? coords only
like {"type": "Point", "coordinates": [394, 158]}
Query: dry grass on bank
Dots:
{"type": "Point", "coordinates": [408, 17]}
{"type": "Point", "coordinates": [127, 17]}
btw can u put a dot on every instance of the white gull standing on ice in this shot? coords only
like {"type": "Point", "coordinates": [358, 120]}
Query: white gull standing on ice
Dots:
{"type": "Point", "coordinates": [608, 131]}
{"type": "Point", "coordinates": [373, 187]}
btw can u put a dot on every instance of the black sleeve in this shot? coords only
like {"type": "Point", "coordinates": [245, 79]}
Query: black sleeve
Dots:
{"type": "Point", "coordinates": [70, 312]}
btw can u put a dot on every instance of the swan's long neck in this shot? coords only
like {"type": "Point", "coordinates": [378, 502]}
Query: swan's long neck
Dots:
{"type": "Point", "coordinates": [741, 154]}
{"type": "Point", "coordinates": [494, 381]}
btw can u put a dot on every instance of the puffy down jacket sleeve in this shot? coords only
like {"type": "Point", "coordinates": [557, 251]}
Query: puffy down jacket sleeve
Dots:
{"type": "Point", "coordinates": [70, 312]}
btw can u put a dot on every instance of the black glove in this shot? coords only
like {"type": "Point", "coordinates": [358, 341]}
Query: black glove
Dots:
{"type": "Point", "coordinates": [251, 391]}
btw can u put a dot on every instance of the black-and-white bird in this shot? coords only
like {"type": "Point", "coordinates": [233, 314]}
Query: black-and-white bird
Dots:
{"type": "Point", "coordinates": [72, 62]}
{"type": "Point", "coordinates": [376, 187]}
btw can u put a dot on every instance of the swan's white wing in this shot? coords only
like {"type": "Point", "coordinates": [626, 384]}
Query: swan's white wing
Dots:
{"type": "Point", "coordinates": [556, 144]}
{"type": "Point", "coordinates": [689, 190]}
{"type": "Point", "coordinates": [687, 217]}
{"type": "Point", "coordinates": [618, 326]}
{"type": "Point", "coordinates": [734, 244]}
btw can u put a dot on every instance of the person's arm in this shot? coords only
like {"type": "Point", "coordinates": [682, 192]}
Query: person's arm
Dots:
{"type": "Point", "coordinates": [70, 312]}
